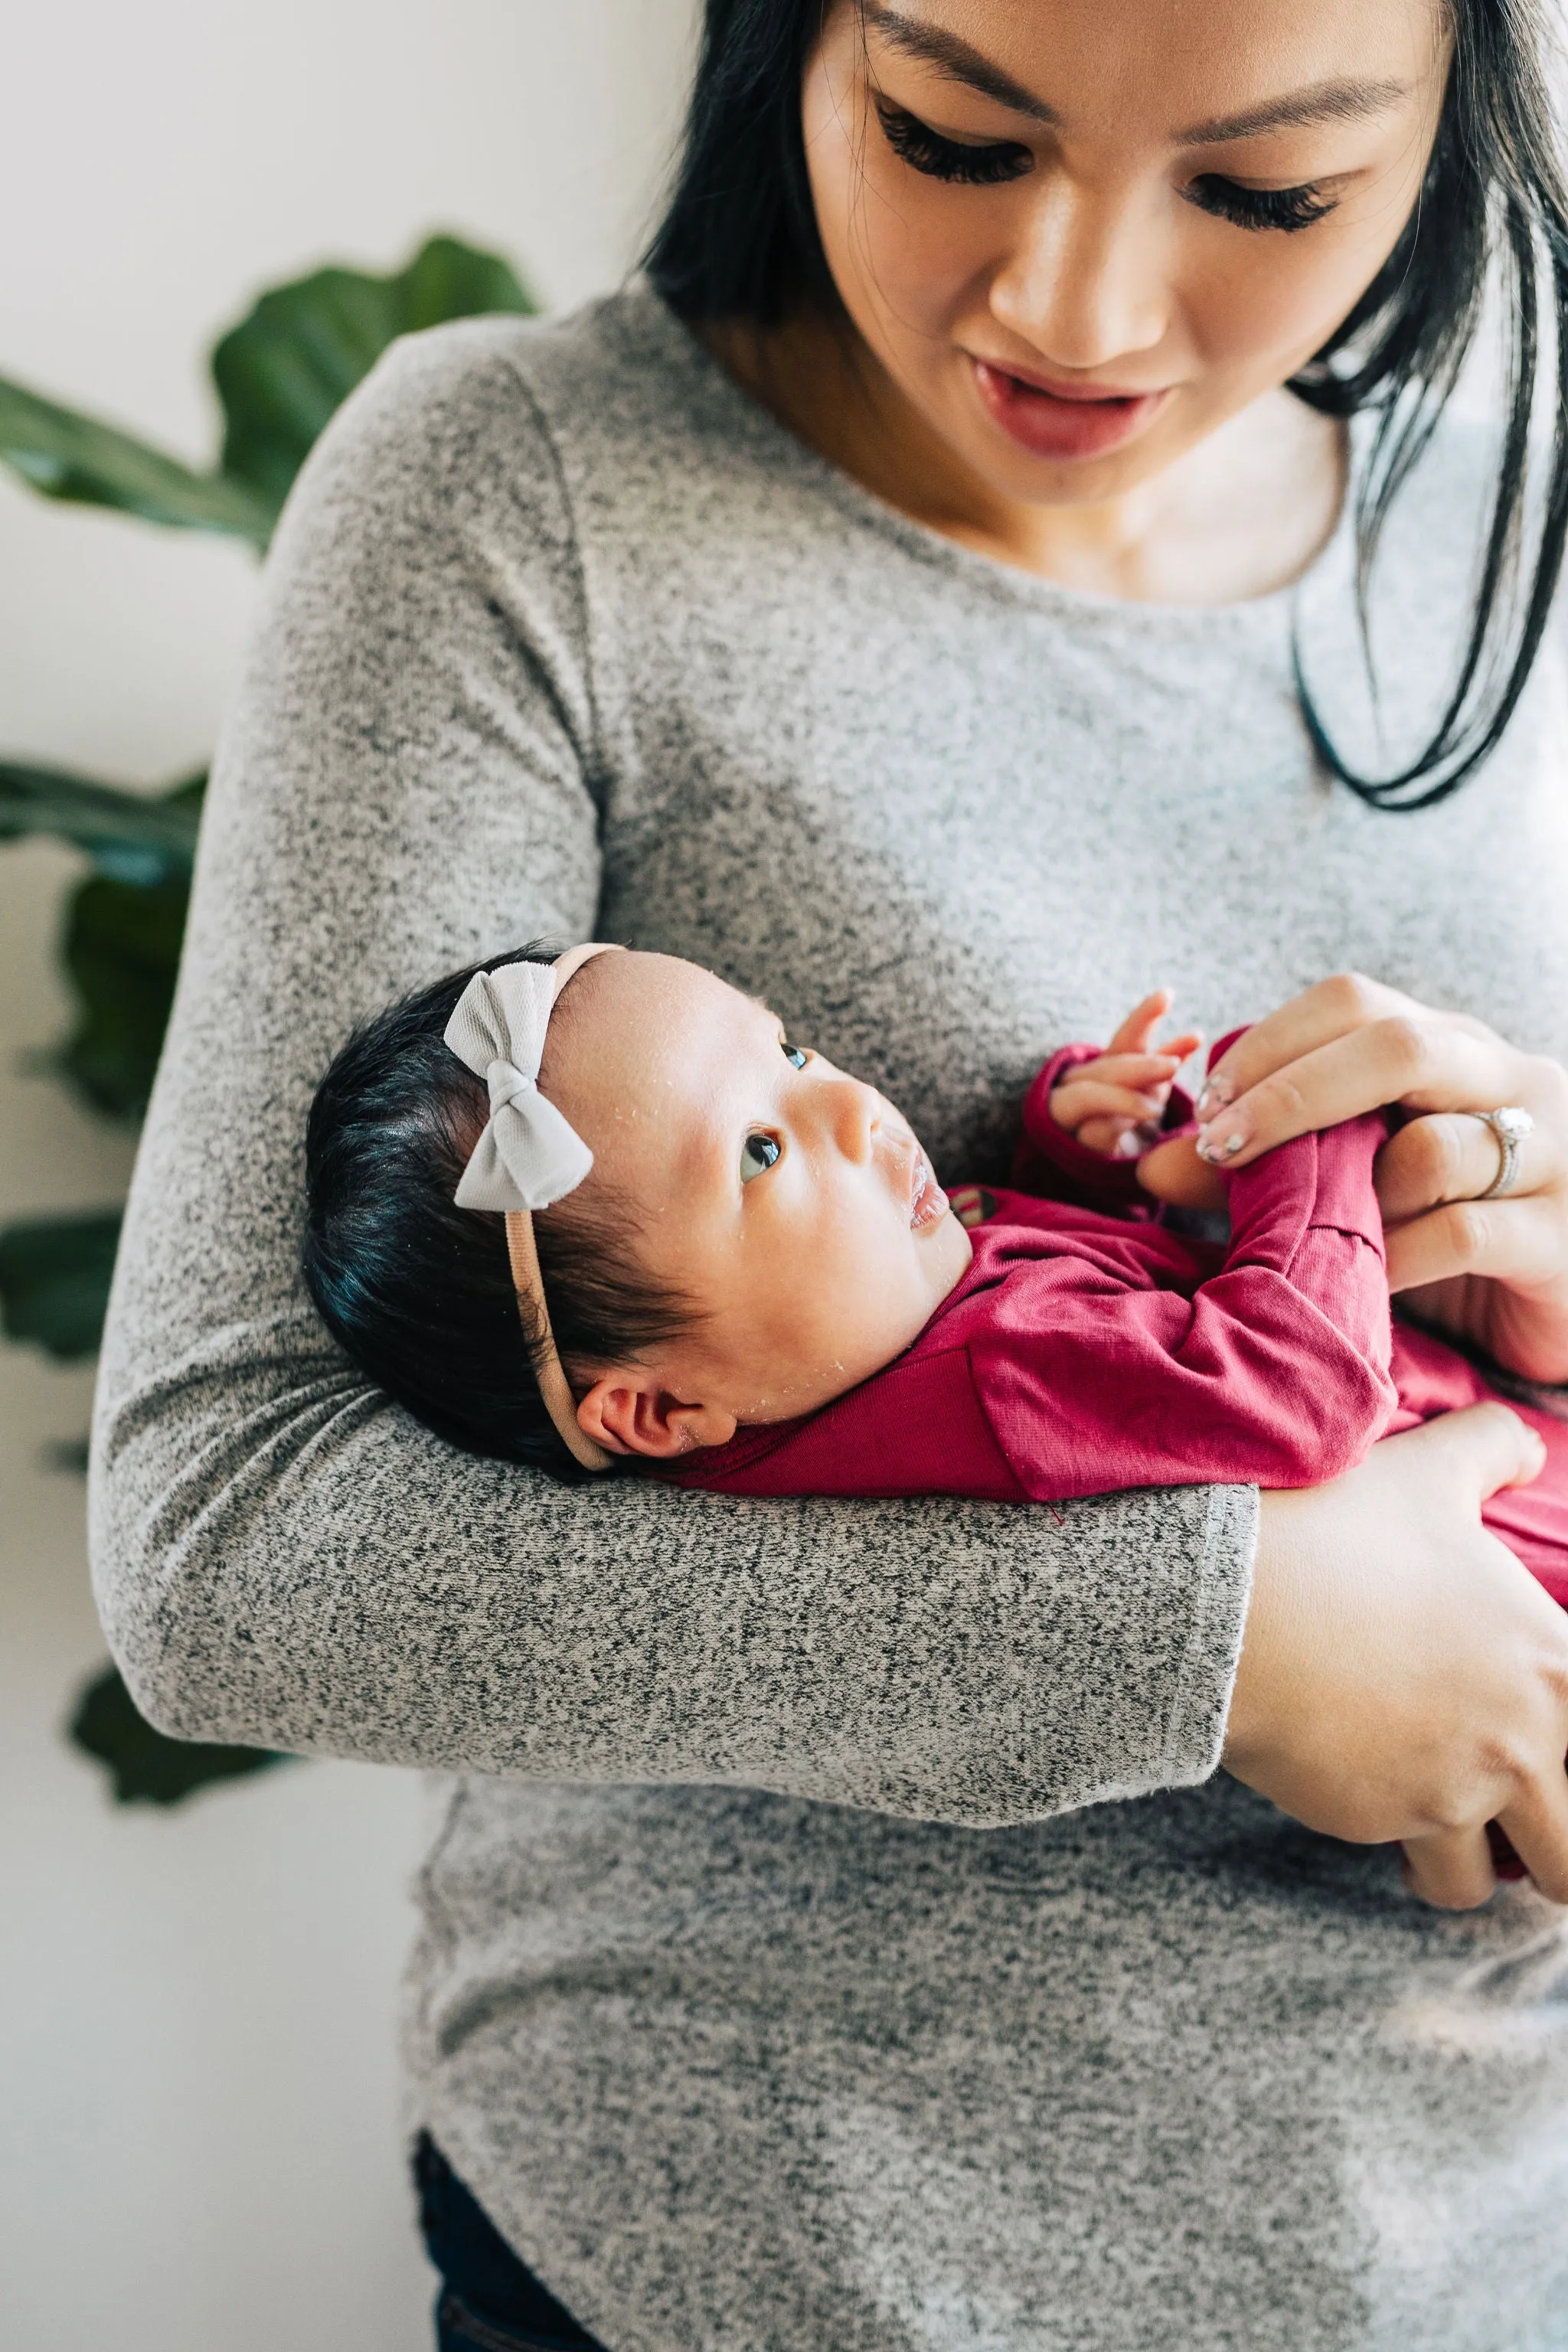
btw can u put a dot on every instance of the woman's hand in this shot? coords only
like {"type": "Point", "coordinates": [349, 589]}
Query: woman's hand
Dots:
{"type": "Point", "coordinates": [1402, 1675]}
{"type": "Point", "coordinates": [1494, 1271]}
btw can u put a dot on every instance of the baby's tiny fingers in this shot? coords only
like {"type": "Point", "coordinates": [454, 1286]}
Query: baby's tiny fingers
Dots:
{"type": "Point", "coordinates": [1136, 1033]}
{"type": "Point", "coordinates": [1081, 1098]}
{"type": "Point", "coordinates": [1114, 1138]}
{"type": "Point", "coordinates": [1127, 1070]}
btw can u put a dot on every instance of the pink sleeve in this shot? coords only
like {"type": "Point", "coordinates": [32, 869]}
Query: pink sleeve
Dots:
{"type": "Point", "coordinates": [1273, 1372]}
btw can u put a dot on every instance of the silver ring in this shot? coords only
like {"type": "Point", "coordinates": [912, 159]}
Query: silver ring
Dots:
{"type": "Point", "coordinates": [1510, 1125]}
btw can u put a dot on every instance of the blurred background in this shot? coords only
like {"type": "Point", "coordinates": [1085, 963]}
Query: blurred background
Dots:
{"type": "Point", "coordinates": [199, 2141]}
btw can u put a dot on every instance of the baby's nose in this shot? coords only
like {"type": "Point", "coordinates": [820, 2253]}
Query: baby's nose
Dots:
{"type": "Point", "coordinates": [856, 1116]}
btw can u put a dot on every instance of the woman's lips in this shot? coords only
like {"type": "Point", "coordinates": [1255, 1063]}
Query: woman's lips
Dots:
{"type": "Point", "coordinates": [927, 1201]}
{"type": "Point", "coordinates": [1061, 423]}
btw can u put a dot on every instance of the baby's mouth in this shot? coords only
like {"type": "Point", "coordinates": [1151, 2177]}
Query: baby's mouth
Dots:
{"type": "Point", "coordinates": [927, 1201]}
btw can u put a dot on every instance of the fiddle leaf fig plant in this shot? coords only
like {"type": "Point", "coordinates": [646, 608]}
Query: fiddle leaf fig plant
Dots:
{"type": "Point", "coordinates": [82, 459]}
{"type": "Point", "coordinates": [280, 375]}
{"type": "Point", "coordinates": [285, 368]}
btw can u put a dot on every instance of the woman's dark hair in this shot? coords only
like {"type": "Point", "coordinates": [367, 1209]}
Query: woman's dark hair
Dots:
{"type": "Point", "coordinates": [419, 1292]}
{"type": "Point", "coordinates": [739, 241]}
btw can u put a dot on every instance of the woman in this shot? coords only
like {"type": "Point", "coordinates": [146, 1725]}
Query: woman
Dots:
{"type": "Point", "coordinates": [895, 605]}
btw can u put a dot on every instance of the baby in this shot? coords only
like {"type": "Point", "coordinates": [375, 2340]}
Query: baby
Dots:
{"type": "Point", "coordinates": [601, 1210]}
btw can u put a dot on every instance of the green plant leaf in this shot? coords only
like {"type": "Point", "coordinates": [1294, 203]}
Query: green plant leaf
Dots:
{"type": "Point", "coordinates": [80, 458]}
{"type": "Point", "coordinates": [122, 953]}
{"type": "Point", "coordinates": [279, 375]}
{"type": "Point", "coordinates": [282, 370]}
{"type": "Point", "coordinates": [137, 837]}
{"type": "Point", "coordinates": [54, 1281]}
{"type": "Point", "coordinates": [146, 1767]}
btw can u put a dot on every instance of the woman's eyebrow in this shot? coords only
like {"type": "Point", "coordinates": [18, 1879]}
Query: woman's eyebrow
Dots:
{"type": "Point", "coordinates": [1324, 101]}
{"type": "Point", "coordinates": [1329, 102]}
{"type": "Point", "coordinates": [957, 61]}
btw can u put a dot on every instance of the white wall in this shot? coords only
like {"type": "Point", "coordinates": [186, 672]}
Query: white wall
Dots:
{"type": "Point", "coordinates": [160, 163]}
{"type": "Point", "coordinates": [199, 2148]}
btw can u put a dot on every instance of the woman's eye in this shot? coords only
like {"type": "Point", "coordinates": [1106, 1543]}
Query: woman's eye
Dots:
{"type": "Point", "coordinates": [758, 1154]}
{"type": "Point", "coordinates": [926, 149]}
{"type": "Point", "coordinates": [1283, 208]}
{"type": "Point", "coordinates": [794, 1055]}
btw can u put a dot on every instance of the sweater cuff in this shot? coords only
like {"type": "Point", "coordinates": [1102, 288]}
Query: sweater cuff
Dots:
{"type": "Point", "coordinates": [1200, 1706]}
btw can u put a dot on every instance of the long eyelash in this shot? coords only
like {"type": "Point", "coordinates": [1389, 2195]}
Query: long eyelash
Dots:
{"type": "Point", "coordinates": [1283, 208]}
{"type": "Point", "coordinates": [926, 149]}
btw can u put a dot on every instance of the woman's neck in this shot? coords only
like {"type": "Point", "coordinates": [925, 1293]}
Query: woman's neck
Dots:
{"type": "Point", "coordinates": [1242, 513]}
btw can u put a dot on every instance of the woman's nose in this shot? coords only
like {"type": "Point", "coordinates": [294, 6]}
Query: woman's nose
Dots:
{"type": "Point", "coordinates": [1087, 284]}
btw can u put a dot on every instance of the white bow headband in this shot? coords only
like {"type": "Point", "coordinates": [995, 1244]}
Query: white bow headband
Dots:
{"type": "Point", "coordinates": [529, 1156]}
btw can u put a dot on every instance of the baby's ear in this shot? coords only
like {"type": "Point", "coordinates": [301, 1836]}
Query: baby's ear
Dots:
{"type": "Point", "coordinates": [630, 1411]}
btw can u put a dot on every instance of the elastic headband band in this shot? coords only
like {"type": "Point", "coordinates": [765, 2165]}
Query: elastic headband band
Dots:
{"type": "Point", "coordinates": [529, 1156]}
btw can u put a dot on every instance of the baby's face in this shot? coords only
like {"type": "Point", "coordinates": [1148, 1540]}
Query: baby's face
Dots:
{"type": "Point", "coordinates": [790, 1203]}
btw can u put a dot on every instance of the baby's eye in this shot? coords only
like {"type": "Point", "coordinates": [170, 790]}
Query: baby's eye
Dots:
{"type": "Point", "coordinates": [758, 1154]}
{"type": "Point", "coordinates": [794, 1055]}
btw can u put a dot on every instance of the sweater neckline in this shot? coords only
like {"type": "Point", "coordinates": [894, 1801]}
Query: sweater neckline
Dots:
{"type": "Point", "coordinates": [1002, 582]}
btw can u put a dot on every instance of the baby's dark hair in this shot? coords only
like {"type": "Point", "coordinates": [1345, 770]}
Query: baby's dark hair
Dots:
{"type": "Point", "coordinates": [419, 1292]}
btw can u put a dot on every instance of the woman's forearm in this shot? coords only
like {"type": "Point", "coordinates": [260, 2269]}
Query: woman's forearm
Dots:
{"type": "Point", "coordinates": [284, 1560]}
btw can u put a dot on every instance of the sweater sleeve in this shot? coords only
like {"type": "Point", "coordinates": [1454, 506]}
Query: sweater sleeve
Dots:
{"type": "Point", "coordinates": [1097, 1373]}
{"type": "Point", "coordinates": [412, 777]}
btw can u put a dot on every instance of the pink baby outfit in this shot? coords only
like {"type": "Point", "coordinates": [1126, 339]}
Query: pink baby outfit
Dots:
{"type": "Point", "coordinates": [1091, 1348]}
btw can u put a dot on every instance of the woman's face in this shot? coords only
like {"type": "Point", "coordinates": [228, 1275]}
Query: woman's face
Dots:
{"type": "Point", "coordinates": [1080, 234]}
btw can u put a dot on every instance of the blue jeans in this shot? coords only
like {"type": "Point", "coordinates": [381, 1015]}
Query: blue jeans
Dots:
{"type": "Point", "coordinates": [489, 2302]}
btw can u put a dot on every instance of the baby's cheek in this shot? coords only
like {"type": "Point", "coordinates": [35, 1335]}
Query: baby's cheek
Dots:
{"type": "Point", "coordinates": [861, 1280]}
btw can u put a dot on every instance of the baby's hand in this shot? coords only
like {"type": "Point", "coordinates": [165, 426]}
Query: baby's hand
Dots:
{"type": "Point", "coordinates": [1115, 1103]}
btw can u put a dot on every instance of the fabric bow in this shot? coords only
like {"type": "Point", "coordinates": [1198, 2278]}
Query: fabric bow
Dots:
{"type": "Point", "coordinates": [528, 1155]}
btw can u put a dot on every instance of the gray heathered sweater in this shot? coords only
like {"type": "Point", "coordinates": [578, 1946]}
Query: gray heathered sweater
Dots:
{"type": "Point", "coordinates": [787, 1979]}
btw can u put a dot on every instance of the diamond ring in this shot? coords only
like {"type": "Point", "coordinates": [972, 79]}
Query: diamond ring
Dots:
{"type": "Point", "coordinates": [1510, 1125]}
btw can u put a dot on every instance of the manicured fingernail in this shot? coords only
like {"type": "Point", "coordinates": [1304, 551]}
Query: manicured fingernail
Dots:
{"type": "Point", "coordinates": [1217, 1093]}
{"type": "Point", "coordinates": [1224, 1145]}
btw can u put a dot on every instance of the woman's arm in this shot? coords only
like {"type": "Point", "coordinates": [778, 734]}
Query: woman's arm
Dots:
{"type": "Point", "coordinates": [412, 778]}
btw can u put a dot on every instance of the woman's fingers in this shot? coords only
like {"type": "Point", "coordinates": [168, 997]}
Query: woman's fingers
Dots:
{"type": "Point", "coordinates": [1537, 1824]}
{"type": "Point", "coordinates": [1489, 1447]}
{"type": "Point", "coordinates": [1450, 1868]}
{"type": "Point", "coordinates": [1451, 1156]}
{"type": "Point", "coordinates": [1427, 1062]}
{"type": "Point", "coordinates": [1401, 1677]}
{"type": "Point", "coordinates": [1333, 1008]}
{"type": "Point", "coordinates": [1518, 1241]}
